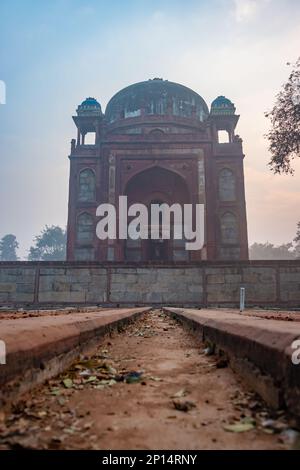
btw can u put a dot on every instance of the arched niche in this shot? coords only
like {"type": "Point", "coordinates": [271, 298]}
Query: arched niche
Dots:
{"type": "Point", "coordinates": [227, 185]}
{"type": "Point", "coordinates": [87, 185]}
{"type": "Point", "coordinates": [229, 229]}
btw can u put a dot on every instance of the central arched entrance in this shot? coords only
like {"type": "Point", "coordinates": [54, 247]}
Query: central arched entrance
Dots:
{"type": "Point", "coordinates": [156, 185]}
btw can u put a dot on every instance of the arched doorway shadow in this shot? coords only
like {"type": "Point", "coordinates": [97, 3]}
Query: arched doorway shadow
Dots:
{"type": "Point", "coordinates": [156, 185]}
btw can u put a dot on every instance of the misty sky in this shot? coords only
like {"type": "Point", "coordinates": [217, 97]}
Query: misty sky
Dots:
{"type": "Point", "coordinates": [55, 53]}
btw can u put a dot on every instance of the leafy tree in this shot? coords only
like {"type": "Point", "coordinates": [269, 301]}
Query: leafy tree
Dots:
{"type": "Point", "coordinates": [284, 136]}
{"type": "Point", "coordinates": [8, 248]}
{"type": "Point", "coordinates": [297, 241]}
{"type": "Point", "coordinates": [50, 245]}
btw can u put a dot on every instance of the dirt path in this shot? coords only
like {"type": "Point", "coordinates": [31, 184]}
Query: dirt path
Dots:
{"type": "Point", "coordinates": [100, 404]}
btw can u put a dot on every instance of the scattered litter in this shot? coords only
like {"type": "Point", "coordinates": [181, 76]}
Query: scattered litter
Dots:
{"type": "Point", "coordinates": [180, 394]}
{"type": "Point", "coordinates": [92, 378]}
{"type": "Point", "coordinates": [275, 426]}
{"type": "Point", "coordinates": [53, 411]}
{"type": "Point", "coordinates": [61, 401]}
{"type": "Point", "coordinates": [133, 377]}
{"type": "Point", "coordinates": [222, 363]}
{"type": "Point", "coordinates": [68, 383]}
{"type": "Point", "coordinates": [185, 405]}
{"type": "Point", "coordinates": [155, 379]}
{"type": "Point", "coordinates": [209, 349]}
{"type": "Point", "coordinates": [238, 427]}
{"type": "Point", "coordinates": [246, 424]}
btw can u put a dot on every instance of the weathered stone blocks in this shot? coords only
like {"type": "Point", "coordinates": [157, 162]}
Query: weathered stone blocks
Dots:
{"type": "Point", "coordinates": [276, 284]}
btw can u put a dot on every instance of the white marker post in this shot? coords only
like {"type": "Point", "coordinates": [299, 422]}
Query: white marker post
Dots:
{"type": "Point", "coordinates": [242, 299]}
{"type": "Point", "coordinates": [2, 92]}
{"type": "Point", "coordinates": [2, 353]}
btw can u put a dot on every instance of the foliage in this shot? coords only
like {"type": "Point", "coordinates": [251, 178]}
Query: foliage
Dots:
{"type": "Point", "coordinates": [297, 241]}
{"type": "Point", "coordinates": [8, 248]}
{"type": "Point", "coordinates": [50, 245]}
{"type": "Point", "coordinates": [267, 251]}
{"type": "Point", "coordinates": [284, 136]}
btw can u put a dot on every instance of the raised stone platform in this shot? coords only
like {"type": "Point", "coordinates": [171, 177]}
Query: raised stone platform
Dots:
{"type": "Point", "coordinates": [215, 284]}
{"type": "Point", "coordinates": [259, 349]}
{"type": "Point", "coordinates": [40, 347]}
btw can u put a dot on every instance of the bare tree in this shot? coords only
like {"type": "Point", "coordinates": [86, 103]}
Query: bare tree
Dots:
{"type": "Point", "coordinates": [297, 241]}
{"type": "Point", "coordinates": [284, 136]}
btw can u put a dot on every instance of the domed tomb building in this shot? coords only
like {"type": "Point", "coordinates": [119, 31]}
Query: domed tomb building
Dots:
{"type": "Point", "coordinates": [157, 142]}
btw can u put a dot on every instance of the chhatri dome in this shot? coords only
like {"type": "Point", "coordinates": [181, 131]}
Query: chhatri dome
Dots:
{"type": "Point", "coordinates": [89, 106]}
{"type": "Point", "coordinates": [222, 105]}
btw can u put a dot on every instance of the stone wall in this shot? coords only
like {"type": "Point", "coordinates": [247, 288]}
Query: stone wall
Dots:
{"type": "Point", "coordinates": [267, 283]}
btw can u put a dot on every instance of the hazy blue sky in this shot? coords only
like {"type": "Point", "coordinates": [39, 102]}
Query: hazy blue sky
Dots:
{"type": "Point", "coordinates": [55, 53]}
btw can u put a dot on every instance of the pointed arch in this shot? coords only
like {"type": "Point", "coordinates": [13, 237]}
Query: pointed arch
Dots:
{"type": "Point", "coordinates": [87, 185]}
{"type": "Point", "coordinates": [158, 185]}
{"type": "Point", "coordinates": [227, 185]}
{"type": "Point", "coordinates": [158, 182]}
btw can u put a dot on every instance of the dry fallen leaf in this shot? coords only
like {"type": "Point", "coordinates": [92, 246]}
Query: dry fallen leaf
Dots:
{"type": "Point", "coordinates": [239, 427]}
{"type": "Point", "coordinates": [180, 394]}
{"type": "Point", "coordinates": [68, 383]}
{"type": "Point", "coordinates": [155, 379]}
{"type": "Point", "coordinates": [185, 405]}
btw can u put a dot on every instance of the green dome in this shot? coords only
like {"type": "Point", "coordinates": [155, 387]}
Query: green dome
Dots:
{"type": "Point", "coordinates": [156, 97]}
{"type": "Point", "coordinates": [222, 105]}
{"type": "Point", "coordinates": [89, 106]}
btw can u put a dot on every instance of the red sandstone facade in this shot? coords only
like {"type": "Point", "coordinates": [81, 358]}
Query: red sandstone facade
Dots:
{"type": "Point", "coordinates": [157, 142]}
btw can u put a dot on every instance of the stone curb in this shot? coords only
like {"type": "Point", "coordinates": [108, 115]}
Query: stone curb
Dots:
{"type": "Point", "coordinates": [258, 349]}
{"type": "Point", "coordinates": [39, 348]}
